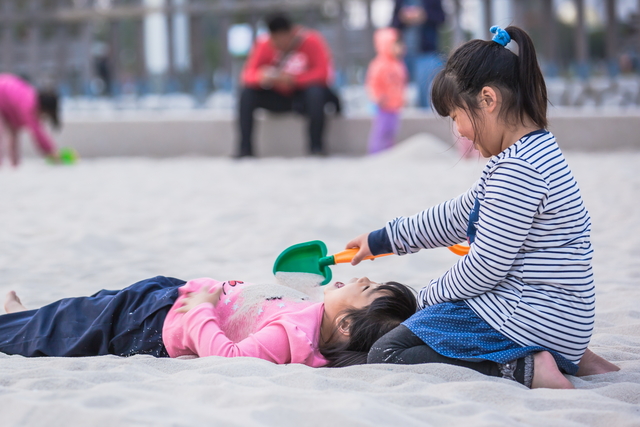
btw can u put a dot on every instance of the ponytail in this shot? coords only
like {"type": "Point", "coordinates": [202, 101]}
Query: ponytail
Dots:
{"type": "Point", "coordinates": [532, 86]}
{"type": "Point", "coordinates": [480, 63]}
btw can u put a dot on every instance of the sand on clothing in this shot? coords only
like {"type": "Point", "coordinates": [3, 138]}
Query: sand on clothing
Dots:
{"type": "Point", "coordinates": [70, 231]}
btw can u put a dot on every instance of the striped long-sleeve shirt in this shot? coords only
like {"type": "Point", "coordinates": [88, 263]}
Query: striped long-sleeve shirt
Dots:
{"type": "Point", "coordinates": [528, 272]}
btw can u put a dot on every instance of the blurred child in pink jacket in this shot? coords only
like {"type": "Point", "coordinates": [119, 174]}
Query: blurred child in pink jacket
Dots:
{"type": "Point", "coordinates": [386, 82]}
{"type": "Point", "coordinates": [22, 106]}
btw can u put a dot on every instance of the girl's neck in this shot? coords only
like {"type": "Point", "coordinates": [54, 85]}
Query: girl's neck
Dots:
{"type": "Point", "coordinates": [327, 328]}
{"type": "Point", "coordinates": [512, 135]}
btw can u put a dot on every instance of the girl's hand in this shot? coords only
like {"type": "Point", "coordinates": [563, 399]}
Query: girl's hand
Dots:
{"type": "Point", "coordinates": [194, 299]}
{"type": "Point", "coordinates": [361, 242]}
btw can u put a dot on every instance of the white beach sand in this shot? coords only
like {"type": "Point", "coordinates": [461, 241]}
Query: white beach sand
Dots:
{"type": "Point", "coordinates": [70, 231]}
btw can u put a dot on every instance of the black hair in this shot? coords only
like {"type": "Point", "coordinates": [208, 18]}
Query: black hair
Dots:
{"type": "Point", "coordinates": [49, 106]}
{"type": "Point", "coordinates": [480, 63]}
{"type": "Point", "coordinates": [368, 324]}
{"type": "Point", "coordinates": [279, 22]}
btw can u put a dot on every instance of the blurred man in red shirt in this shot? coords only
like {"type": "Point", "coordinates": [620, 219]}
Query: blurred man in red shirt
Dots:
{"type": "Point", "coordinates": [288, 70]}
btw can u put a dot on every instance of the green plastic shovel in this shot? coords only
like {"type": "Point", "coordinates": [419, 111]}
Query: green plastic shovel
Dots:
{"type": "Point", "coordinates": [311, 257]}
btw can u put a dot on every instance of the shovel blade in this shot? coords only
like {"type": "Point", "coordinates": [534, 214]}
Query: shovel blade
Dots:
{"type": "Point", "coordinates": [304, 258]}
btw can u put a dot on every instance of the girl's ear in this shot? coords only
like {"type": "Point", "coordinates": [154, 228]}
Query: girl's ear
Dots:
{"type": "Point", "coordinates": [343, 326]}
{"type": "Point", "coordinates": [488, 99]}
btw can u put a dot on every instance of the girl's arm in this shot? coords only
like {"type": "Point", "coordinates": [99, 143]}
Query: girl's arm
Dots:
{"type": "Point", "coordinates": [258, 58]}
{"type": "Point", "coordinates": [442, 225]}
{"type": "Point", "coordinates": [204, 337]}
{"type": "Point", "coordinates": [42, 139]}
{"type": "Point", "coordinates": [513, 195]}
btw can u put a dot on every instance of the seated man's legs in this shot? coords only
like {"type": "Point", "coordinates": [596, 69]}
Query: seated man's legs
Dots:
{"type": "Point", "coordinates": [312, 100]}
{"type": "Point", "coordinates": [250, 100]}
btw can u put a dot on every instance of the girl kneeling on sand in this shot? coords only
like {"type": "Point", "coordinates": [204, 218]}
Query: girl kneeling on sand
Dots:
{"type": "Point", "coordinates": [521, 303]}
{"type": "Point", "coordinates": [166, 317]}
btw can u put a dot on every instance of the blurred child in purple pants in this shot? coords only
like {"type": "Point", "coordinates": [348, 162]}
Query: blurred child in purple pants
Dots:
{"type": "Point", "coordinates": [386, 82]}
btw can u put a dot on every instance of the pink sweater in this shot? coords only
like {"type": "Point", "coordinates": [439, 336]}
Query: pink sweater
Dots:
{"type": "Point", "coordinates": [19, 108]}
{"type": "Point", "coordinates": [264, 321]}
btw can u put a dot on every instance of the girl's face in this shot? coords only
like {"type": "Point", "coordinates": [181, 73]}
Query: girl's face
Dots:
{"type": "Point", "coordinates": [465, 129]}
{"type": "Point", "coordinates": [357, 293]}
{"type": "Point", "coordinates": [488, 141]}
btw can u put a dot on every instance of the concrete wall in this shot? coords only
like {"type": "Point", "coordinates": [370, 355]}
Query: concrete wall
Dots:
{"type": "Point", "coordinates": [166, 134]}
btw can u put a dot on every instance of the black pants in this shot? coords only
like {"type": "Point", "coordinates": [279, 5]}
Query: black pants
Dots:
{"type": "Point", "coordinates": [403, 347]}
{"type": "Point", "coordinates": [309, 101]}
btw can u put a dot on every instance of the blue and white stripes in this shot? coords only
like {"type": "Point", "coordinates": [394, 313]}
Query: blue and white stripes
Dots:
{"type": "Point", "coordinates": [528, 273]}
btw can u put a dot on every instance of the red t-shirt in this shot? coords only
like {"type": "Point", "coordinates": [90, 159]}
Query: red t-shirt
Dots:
{"type": "Point", "coordinates": [309, 62]}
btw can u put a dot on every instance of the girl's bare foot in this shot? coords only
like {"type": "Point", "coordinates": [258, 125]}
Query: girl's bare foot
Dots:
{"type": "Point", "coordinates": [546, 373]}
{"type": "Point", "coordinates": [592, 364]}
{"type": "Point", "coordinates": [12, 303]}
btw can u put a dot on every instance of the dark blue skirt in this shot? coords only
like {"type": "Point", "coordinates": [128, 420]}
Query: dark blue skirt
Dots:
{"type": "Point", "coordinates": [454, 330]}
{"type": "Point", "coordinates": [123, 323]}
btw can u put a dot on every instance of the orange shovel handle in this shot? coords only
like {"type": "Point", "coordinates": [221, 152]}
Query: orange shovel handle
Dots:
{"type": "Point", "coordinates": [348, 254]}
{"type": "Point", "coordinates": [459, 249]}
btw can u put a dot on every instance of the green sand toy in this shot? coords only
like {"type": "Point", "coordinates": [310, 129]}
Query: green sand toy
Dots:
{"type": "Point", "coordinates": [311, 257]}
{"type": "Point", "coordinates": [68, 155]}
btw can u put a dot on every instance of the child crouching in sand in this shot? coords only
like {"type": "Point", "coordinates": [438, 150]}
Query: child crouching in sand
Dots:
{"type": "Point", "coordinates": [167, 317]}
{"type": "Point", "coordinates": [521, 303]}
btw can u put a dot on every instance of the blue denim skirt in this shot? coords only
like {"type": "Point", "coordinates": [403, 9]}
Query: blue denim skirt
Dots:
{"type": "Point", "coordinates": [454, 330]}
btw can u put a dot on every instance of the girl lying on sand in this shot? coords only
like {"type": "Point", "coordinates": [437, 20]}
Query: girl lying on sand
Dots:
{"type": "Point", "coordinates": [166, 317]}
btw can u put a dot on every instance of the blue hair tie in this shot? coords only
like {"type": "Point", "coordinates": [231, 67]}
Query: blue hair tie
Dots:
{"type": "Point", "coordinates": [501, 36]}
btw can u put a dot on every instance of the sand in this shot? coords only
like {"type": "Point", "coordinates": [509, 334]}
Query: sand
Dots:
{"type": "Point", "coordinates": [70, 231]}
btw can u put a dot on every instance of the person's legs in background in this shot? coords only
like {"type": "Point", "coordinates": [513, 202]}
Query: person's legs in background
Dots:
{"type": "Point", "coordinates": [310, 101]}
{"type": "Point", "coordinates": [3, 138]}
{"type": "Point", "coordinates": [250, 100]}
{"type": "Point", "coordinates": [331, 98]}
{"type": "Point", "coordinates": [14, 149]}
{"type": "Point", "coordinates": [383, 130]}
{"type": "Point", "coordinates": [426, 66]}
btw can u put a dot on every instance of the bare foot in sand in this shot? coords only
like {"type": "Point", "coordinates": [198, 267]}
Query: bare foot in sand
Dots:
{"type": "Point", "coordinates": [546, 373]}
{"type": "Point", "coordinates": [12, 303]}
{"type": "Point", "coordinates": [592, 364]}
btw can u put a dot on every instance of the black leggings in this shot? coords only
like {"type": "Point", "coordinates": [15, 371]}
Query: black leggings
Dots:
{"type": "Point", "coordinates": [403, 347]}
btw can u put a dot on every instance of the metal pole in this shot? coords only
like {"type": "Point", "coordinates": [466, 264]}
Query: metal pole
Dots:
{"type": "Point", "coordinates": [62, 54]}
{"type": "Point", "coordinates": [33, 37]}
{"type": "Point", "coordinates": [370, 30]}
{"type": "Point", "coordinates": [113, 86]}
{"type": "Point", "coordinates": [582, 42]}
{"type": "Point", "coordinates": [7, 36]}
{"type": "Point", "coordinates": [141, 66]}
{"type": "Point", "coordinates": [611, 35]}
{"type": "Point", "coordinates": [171, 52]}
{"type": "Point", "coordinates": [550, 38]}
{"type": "Point", "coordinates": [458, 36]}
{"type": "Point", "coordinates": [488, 16]}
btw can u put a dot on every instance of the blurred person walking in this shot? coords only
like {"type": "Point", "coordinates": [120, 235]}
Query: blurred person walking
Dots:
{"type": "Point", "coordinates": [288, 70]}
{"type": "Point", "coordinates": [386, 82]}
{"type": "Point", "coordinates": [22, 106]}
{"type": "Point", "coordinates": [419, 21]}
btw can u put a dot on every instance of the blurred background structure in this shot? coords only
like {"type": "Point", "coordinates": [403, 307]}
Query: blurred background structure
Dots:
{"type": "Point", "coordinates": [128, 52]}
